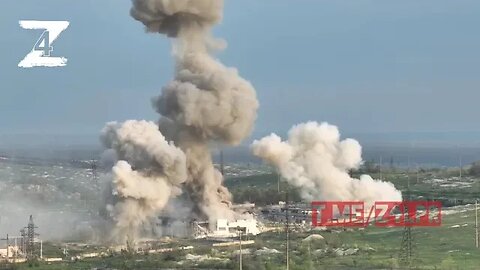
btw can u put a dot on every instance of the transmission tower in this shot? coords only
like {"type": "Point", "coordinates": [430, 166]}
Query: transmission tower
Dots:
{"type": "Point", "coordinates": [406, 253]}
{"type": "Point", "coordinates": [23, 241]}
{"type": "Point", "coordinates": [407, 245]}
{"type": "Point", "coordinates": [30, 244]}
{"type": "Point", "coordinates": [93, 168]}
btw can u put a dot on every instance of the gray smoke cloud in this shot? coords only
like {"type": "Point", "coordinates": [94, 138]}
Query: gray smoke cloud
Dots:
{"type": "Point", "coordinates": [206, 103]}
{"type": "Point", "coordinates": [171, 16]}
{"type": "Point", "coordinates": [149, 172]}
{"type": "Point", "coordinates": [317, 161]}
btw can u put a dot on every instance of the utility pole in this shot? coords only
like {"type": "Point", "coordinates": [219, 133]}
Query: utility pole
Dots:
{"type": "Point", "coordinates": [418, 172]}
{"type": "Point", "coordinates": [460, 161]}
{"type": "Point", "coordinates": [476, 224]}
{"type": "Point", "coordinates": [240, 244]}
{"type": "Point", "coordinates": [16, 251]}
{"type": "Point", "coordinates": [380, 168]}
{"type": "Point", "coordinates": [287, 240]}
{"type": "Point", "coordinates": [278, 182]}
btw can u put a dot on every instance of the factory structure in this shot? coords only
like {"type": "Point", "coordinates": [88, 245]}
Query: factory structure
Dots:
{"type": "Point", "coordinates": [218, 229]}
{"type": "Point", "coordinates": [225, 229]}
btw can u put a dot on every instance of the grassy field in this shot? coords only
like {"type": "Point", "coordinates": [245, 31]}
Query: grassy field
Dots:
{"type": "Point", "coordinates": [380, 248]}
{"type": "Point", "coordinates": [435, 247]}
{"type": "Point", "coordinates": [444, 247]}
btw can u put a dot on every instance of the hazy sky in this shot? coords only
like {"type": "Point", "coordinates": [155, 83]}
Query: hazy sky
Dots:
{"type": "Point", "coordinates": [366, 66]}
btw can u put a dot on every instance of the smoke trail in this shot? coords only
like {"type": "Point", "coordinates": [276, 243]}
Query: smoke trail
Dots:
{"type": "Point", "coordinates": [206, 102]}
{"type": "Point", "coordinates": [315, 160]}
{"type": "Point", "coordinates": [148, 173]}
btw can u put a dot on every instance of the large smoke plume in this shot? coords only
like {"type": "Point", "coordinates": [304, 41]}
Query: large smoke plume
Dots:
{"type": "Point", "coordinates": [316, 161]}
{"type": "Point", "coordinates": [206, 103]}
{"type": "Point", "coordinates": [149, 172]}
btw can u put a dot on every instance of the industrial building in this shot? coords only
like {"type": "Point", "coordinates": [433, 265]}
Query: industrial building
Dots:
{"type": "Point", "coordinates": [225, 229]}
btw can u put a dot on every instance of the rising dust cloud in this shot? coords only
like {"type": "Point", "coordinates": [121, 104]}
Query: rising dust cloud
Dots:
{"type": "Point", "coordinates": [206, 103]}
{"type": "Point", "coordinates": [316, 161]}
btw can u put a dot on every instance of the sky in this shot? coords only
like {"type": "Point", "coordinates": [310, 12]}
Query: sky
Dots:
{"type": "Point", "coordinates": [370, 67]}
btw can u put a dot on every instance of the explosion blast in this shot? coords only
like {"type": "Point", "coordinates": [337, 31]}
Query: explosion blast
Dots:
{"type": "Point", "coordinates": [205, 103]}
{"type": "Point", "coordinates": [316, 161]}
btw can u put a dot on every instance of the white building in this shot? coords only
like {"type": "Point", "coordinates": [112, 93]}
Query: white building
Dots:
{"type": "Point", "coordinates": [224, 228]}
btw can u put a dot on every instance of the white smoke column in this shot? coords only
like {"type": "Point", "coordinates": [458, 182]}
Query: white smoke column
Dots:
{"type": "Point", "coordinates": [206, 102]}
{"type": "Point", "coordinates": [148, 173]}
{"type": "Point", "coordinates": [316, 161]}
